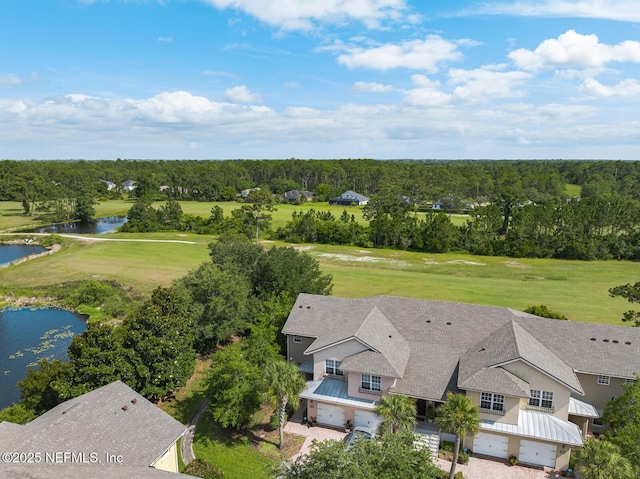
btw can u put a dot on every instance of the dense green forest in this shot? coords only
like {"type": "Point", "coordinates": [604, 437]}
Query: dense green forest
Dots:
{"type": "Point", "coordinates": [517, 208]}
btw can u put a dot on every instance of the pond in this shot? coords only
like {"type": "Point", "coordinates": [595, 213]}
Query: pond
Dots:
{"type": "Point", "coordinates": [101, 226]}
{"type": "Point", "coordinates": [12, 252]}
{"type": "Point", "coordinates": [27, 335]}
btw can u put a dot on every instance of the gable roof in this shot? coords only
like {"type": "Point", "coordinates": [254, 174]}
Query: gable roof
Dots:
{"type": "Point", "coordinates": [112, 419]}
{"type": "Point", "coordinates": [495, 380]}
{"type": "Point", "coordinates": [387, 349]}
{"type": "Point", "coordinates": [439, 334]}
{"type": "Point", "coordinates": [511, 342]}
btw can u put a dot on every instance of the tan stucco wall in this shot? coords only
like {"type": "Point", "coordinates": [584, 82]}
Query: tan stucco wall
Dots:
{"type": "Point", "coordinates": [169, 461]}
{"type": "Point", "coordinates": [296, 350]}
{"type": "Point", "coordinates": [597, 395]}
{"type": "Point", "coordinates": [355, 380]}
{"type": "Point", "coordinates": [511, 408]}
{"type": "Point", "coordinates": [540, 381]}
{"type": "Point", "coordinates": [337, 352]}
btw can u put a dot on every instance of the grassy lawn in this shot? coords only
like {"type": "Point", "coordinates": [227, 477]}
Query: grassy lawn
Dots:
{"type": "Point", "coordinates": [248, 453]}
{"type": "Point", "coordinates": [142, 265]}
{"type": "Point", "coordinates": [579, 289]}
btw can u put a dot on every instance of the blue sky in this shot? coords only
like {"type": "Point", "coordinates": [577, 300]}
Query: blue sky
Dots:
{"type": "Point", "coordinates": [220, 79]}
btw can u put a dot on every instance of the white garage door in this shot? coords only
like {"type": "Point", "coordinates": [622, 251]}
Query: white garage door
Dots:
{"type": "Point", "coordinates": [330, 415]}
{"type": "Point", "coordinates": [537, 453]}
{"type": "Point", "coordinates": [491, 445]}
{"type": "Point", "coordinates": [367, 419]}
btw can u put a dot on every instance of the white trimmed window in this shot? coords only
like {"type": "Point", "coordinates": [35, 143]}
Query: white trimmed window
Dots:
{"type": "Point", "coordinates": [492, 402]}
{"type": "Point", "coordinates": [541, 399]}
{"type": "Point", "coordinates": [371, 383]}
{"type": "Point", "coordinates": [604, 380]}
{"type": "Point", "coordinates": [297, 339]}
{"type": "Point", "coordinates": [333, 367]}
{"type": "Point", "coordinates": [629, 381]}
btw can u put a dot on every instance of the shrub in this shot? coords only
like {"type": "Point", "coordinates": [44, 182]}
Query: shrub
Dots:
{"type": "Point", "coordinates": [204, 469]}
{"type": "Point", "coordinates": [49, 241]}
{"type": "Point", "coordinates": [463, 458]}
{"type": "Point", "coordinates": [91, 293]}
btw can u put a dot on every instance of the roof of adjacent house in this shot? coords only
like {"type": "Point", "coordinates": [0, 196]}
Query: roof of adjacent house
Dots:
{"type": "Point", "coordinates": [538, 425]}
{"type": "Point", "coordinates": [441, 338]}
{"type": "Point", "coordinates": [352, 195]}
{"type": "Point", "coordinates": [113, 419]}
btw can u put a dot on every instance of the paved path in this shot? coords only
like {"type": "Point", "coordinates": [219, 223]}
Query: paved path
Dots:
{"type": "Point", "coordinates": [481, 468]}
{"type": "Point", "coordinates": [186, 447]}
{"type": "Point", "coordinates": [310, 434]}
{"type": "Point", "coordinates": [94, 238]}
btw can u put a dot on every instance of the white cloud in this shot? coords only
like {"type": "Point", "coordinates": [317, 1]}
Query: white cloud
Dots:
{"type": "Point", "coordinates": [480, 85]}
{"type": "Point", "coordinates": [241, 94]}
{"type": "Point", "coordinates": [628, 87]}
{"type": "Point", "coordinates": [619, 10]}
{"type": "Point", "coordinates": [425, 54]}
{"type": "Point", "coordinates": [165, 39]}
{"type": "Point", "coordinates": [304, 14]}
{"type": "Point", "coordinates": [571, 49]}
{"type": "Point", "coordinates": [10, 80]}
{"type": "Point", "coordinates": [371, 87]}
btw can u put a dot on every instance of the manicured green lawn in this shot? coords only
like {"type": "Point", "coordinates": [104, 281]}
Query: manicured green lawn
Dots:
{"type": "Point", "coordinates": [579, 289]}
{"type": "Point", "coordinates": [143, 265]}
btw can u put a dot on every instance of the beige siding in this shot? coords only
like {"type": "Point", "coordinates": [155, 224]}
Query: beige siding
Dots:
{"type": "Point", "coordinates": [598, 395]}
{"type": "Point", "coordinates": [169, 460]}
{"type": "Point", "coordinates": [355, 391]}
{"type": "Point", "coordinates": [511, 408]}
{"type": "Point", "coordinates": [296, 350]}
{"type": "Point", "coordinates": [542, 382]}
{"type": "Point", "coordinates": [337, 352]}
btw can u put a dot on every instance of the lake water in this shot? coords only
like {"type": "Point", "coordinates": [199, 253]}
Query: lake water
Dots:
{"type": "Point", "coordinates": [12, 252]}
{"type": "Point", "coordinates": [27, 335]}
{"type": "Point", "coordinates": [101, 226]}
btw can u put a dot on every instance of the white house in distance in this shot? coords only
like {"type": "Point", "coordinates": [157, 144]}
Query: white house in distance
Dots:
{"type": "Point", "coordinates": [349, 198]}
{"type": "Point", "coordinates": [541, 384]}
{"type": "Point", "coordinates": [128, 185]}
{"type": "Point", "coordinates": [111, 432]}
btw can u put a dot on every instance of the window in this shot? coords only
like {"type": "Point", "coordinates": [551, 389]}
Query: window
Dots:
{"type": "Point", "coordinates": [297, 339]}
{"type": "Point", "coordinates": [604, 380]}
{"type": "Point", "coordinates": [541, 399]}
{"type": "Point", "coordinates": [492, 402]}
{"type": "Point", "coordinates": [597, 421]}
{"type": "Point", "coordinates": [370, 383]}
{"type": "Point", "coordinates": [629, 381]}
{"type": "Point", "coordinates": [332, 367]}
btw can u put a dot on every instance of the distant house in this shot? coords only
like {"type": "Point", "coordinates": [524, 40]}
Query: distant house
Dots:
{"type": "Point", "coordinates": [110, 432]}
{"type": "Point", "coordinates": [245, 193]}
{"type": "Point", "coordinates": [349, 198]}
{"type": "Point", "coordinates": [128, 185]}
{"type": "Point", "coordinates": [110, 184]}
{"type": "Point", "coordinates": [297, 195]}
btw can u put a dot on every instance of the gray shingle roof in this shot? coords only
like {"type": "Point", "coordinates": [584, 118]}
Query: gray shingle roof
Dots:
{"type": "Point", "coordinates": [439, 334]}
{"type": "Point", "coordinates": [496, 380]}
{"type": "Point", "coordinates": [41, 471]}
{"type": "Point", "coordinates": [113, 419]}
{"type": "Point", "coordinates": [509, 343]}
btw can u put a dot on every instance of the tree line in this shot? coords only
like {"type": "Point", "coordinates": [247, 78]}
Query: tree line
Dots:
{"type": "Point", "coordinates": [40, 182]}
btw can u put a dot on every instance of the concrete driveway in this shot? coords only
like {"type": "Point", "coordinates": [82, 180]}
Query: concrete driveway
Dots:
{"type": "Point", "coordinates": [311, 433]}
{"type": "Point", "coordinates": [484, 468]}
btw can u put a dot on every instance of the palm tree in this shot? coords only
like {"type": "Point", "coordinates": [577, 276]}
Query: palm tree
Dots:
{"type": "Point", "coordinates": [460, 416]}
{"type": "Point", "coordinates": [398, 413]}
{"type": "Point", "coordinates": [284, 384]}
{"type": "Point", "coordinates": [601, 459]}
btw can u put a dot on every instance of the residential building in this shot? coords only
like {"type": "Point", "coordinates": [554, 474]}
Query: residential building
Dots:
{"type": "Point", "coordinates": [110, 432]}
{"type": "Point", "coordinates": [294, 196]}
{"type": "Point", "coordinates": [349, 198]}
{"type": "Point", "coordinates": [541, 384]}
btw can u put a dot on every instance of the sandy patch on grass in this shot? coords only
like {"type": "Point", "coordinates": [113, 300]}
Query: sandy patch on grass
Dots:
{"type": "Point", "coordinates": [465, 262]}
{"type": "Point", "coordinates": [362, 251]}
{"type": "Point", "coordinates": [303, 248]}
{"type": "Point", "coordinates": [514, 264]}
{"type": "Point", "coordinates": [362, 259]}
{"type": "Point", "coordinates": [430, 261]}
